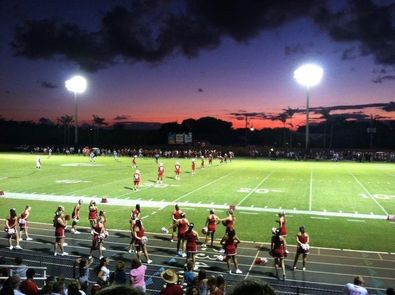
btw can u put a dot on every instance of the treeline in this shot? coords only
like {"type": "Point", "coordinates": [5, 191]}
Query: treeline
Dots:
{"type": "Point", "coordinates": [334, 134]}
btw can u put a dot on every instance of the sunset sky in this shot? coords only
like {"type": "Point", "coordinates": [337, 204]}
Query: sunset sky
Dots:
{"type": "Point", "coordinates": [169, 60]}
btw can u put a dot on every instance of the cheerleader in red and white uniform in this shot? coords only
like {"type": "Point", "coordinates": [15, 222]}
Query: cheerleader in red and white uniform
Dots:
{"type": "Point", "coordinates": [140, 241]}
{"type": "Point", "coordinates": [303, 240]}
{"type": "Point", "coordinates": [193, 167]}
{"type": "Point", "coordinates": [211, 224]}
{"type": "Point", "coordinates": [182, 226]}
{"type": "Point", "coordinates": [191, 238]}
{"type": "Point", "coordinates": [11, 230]}
{"type": "Point", "coordinates": [175, 215]}
{"type": "Point", "coordinates": [278, 249]}
{"type": "Point", "coordinates": [230, 221]}
{"type": "Point", "coordinates": [92, 215]}
{"type": "Point", "coordinates": [60, 224]}
{"type": "Point", "coordinates": [282, 221]}
{"type": "Point", "coordinates": [161, 173]}
{"type": "Point", "coordinates": [177, 170]}
{"type": "Point", "coordinates": [23, 224]}
{"type": "Point", "coordinates": [75, 216]}
{"type": "Point", "coordinates": [97, 238]}
{"type": "Point", "coordinates": [230, 242]}
{"type": "Point", "coordinates": [136, 180]}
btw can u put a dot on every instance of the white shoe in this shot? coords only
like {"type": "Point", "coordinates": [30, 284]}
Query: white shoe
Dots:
{"type": "Point", "coordinates": [294, 267]}
{"type": "Point", "coordinates": [230, 272]}
{"type": "Point", "coordinates": [11, 247]}
{"type": "Point", "coordinates": [100, 257]}
{"type": "Point", "coordinates": [204, 246]}
{"type": "Point", "coordinates": [238, 271]}
{"type": "Point", "coordinates": [222, 251]}
{"type": "Point", "coordinates": [72, 231]}
{"type": "Point", "coordinates": [65, 254]}
{"type": "Point", "coordinates": [149, 261]}
{"type": "Point", "coordinates": [179, 253]}
{"type": "Point", "coordinates": [29, 239]}
{"type": "Point", "coordinates": [172, 241]}
{"type": "Point", "coordinates": [303, 268]}
{"type": "Point", "coordinates": [196, 268]}
{"type": "Point", "coordinates": [130, 251]}
{"type": "Point", "coordinates": [55, 254]}
{"type": "Point", "coordinates": [65, 244]}
{"type": "Point", "coordinates": [18, 247]}
{"type": "Point", "coordinates": [90, 257]}
{"type": "Point", "coordinates": [184, 255]}
{"type": "Point", "coordinates": [77, 232]}
{"type": "Point", "coordinates": [103, 248]}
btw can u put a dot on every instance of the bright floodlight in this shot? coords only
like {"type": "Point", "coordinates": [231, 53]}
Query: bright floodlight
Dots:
{"type": "Point", "coordinates": [77, 84]}
{"type": "Point", "coordinates": [308, 75]}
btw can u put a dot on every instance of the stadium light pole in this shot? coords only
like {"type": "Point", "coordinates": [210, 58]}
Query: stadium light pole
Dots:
{"type": "Point", "coordinates": [77, 85]}
{"type": "Point", "coordinates": [308, 75]}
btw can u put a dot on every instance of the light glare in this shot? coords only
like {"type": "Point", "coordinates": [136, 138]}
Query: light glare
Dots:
{"type": "Point", "coordinates": [77, 84]}
{"type": "Point", "coordinates": [308, 75]}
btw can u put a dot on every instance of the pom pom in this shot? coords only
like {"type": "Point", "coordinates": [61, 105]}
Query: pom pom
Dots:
{"type": "Point", "coordinates": [144, 240]}
{"type": "Point", "coordinates": [220, 257]}
{"type": "Point", "coordinates": [164, 230]}
{"type": "Point", "coordinates": [204, 230]}
{"type": "Point", "coordinates": [67, 217]}
{"type": "Point", "coordinates": [261, 260]}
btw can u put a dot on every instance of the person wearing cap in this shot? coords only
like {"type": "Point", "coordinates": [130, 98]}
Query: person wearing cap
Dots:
{"type": "Point", "coordinates": [170, 276]}
{"type": "Point", "coordinates": [356, 288]}
{"type": "Point", "coordinates": [191, 238]}
{"type": "Point", "coordinates": [211, 224]}
{"type": "Point", "coordinates": [161, 173]}
{"type": "Point", "coordinates": [136, 180]}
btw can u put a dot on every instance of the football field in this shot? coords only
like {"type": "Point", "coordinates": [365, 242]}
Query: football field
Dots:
{"type": "Point", "coordinates": [342, 204]}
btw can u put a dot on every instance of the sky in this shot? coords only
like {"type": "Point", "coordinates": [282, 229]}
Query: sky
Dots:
{"type": "Point", "coordinates": [170, 60]}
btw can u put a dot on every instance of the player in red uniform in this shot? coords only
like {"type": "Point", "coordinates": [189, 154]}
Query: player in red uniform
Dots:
{"type": "Point", "coordinates": [282, 221]}
{"type": "Point", "coordinates": [134, 161]}
{"type": "Point", "coordinates": [92, 216]}
{"type": "Point", "coordinates": [303, 240]}
{"type": "Point", "coordinates": [60, 224]}
{"type": "Point", "coordinates": [140, 240]}
{"type": "Point", "coordinates": [182, 226]}
{"type": "Point", "coordinates": [97, 238]}
{"type": "Point", "coordinates": [211, 224]}
{"type": "Point", "coordinates": [230, 242]}
{"type": "Point", "coordinates": [191, 238]}
{"type": "Point", "coordinates": [76, 217]}
{"type": "Point", "coordinates": [136, 180]}
{"type": "Point", "coordinates": [175, 215]}
{"type": "Point", "coordinates": [161, 173]}
{"type": "Point", "coordinates": [10, 227]}
{"type": "Point", "coordinates": [23, 224]}
{"type": "Point", "coordinates": [278, 250]}
{"type": "Point", "coordinates": [177, 170]}
{"type": "Point", "coordinates": [193, 168]}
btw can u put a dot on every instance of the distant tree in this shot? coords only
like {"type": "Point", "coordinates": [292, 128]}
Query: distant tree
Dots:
{"type": "Point", "coordinates": [45, 121]}
{"type": "Point", "coordinates": [98, 122]}
{"type": "Point", "coordinates": [65, 121]}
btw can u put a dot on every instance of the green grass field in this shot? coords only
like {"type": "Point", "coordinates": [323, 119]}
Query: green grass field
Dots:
{"type": "Point", "coordinates": [342, 205]}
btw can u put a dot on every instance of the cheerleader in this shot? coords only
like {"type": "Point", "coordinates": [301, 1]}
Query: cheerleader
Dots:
{"type": "Point", "coordinates": [191, 238]}
{"type": "Point", "coordinates": [23, 225]}
{"type": "Point", "coordinates": [230, 242]}
{"type": "Point", "coordinates": [98, 234]}
{"type": "Point", "coordinates": [92, 216]}
{"type": "Point", "coordinates": [303, 240]}
{"type": "Point", "coordinates": [11, 230]}
{"type": "Point", "coordinates": [60, 223]}
{"type": "Point", "coordinates": [211, 224]}
{"type": "Point", "coordinates": [140, 241]}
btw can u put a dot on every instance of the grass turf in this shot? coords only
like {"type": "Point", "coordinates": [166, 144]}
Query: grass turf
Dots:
{"type": "Point", "coordinates": [311, 193]}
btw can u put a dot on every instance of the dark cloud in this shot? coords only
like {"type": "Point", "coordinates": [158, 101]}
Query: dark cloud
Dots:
{"type": "Point", "coordinates": [121, 117]}
{"type": "Point", "coordinates": [49, 85]}
{"type": "Point", "coordinates": [389, 107]}
{"type": "Point", "coordinates": [7, 92]}
{"type": "Point", "coordinates": [242, 115]}
{"type": "Point", "coordinates": [297, 49]}
{"type": "Point", "coordinates": [200, 90]}
{"type": "Point", "coordinates": [349, 54]}
{"type": "Point", "coordinates": [381, 79]}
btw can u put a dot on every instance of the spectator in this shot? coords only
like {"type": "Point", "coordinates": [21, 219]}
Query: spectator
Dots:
{"type": "Point", "coordinates": [118, 276]}
{"type": "Point", "coordinates": [212, 286]}
{"type": "Point", "coordinates": [29, 286]}
{"type": "Point", "coordinates": [21, 268]}
{"type": "Point", "coordinates": [103, 273]}
{"type": "Point", "coordinates": [120, 290]}
{"type": "Point", "coordinates": [201, 281]}
{"type": "Point", "coordinates": [11, 286]}
{"type": "Point", "coordinates": [221, 283]}
{"type": "Point", "coordinates": [83, 272]}
{"type": "Point", "coordinates": [188, 274]}
{"type": "Point", "coordinates": [170, 277]}
{"type": "Point", "coordinates": [74, 288]}
{"type": "Point", "coordinates": [356, 288]}
{"type": "Point", "coordinates": [137, 274]}
{"type": "Point", "coordinates": [194, 290]}
{"type": "Point", "coordinates": [252, 288]}
{"type": "Point", "coordinates": [390, 291]}
{"type": "Point", "coordinates": [58, 287]}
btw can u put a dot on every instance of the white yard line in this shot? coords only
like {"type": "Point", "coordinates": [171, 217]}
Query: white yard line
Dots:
{"type": "Point", "coordinates": [161, 204]}
{"type": "Point", "coordinates": [253, 190]}
{"type": "Point", "coordinates": [201, 187]}
{"type": "Point", "coordinates": [311, 189]}
{"type": "Point", "coordinates": [370, 195]}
